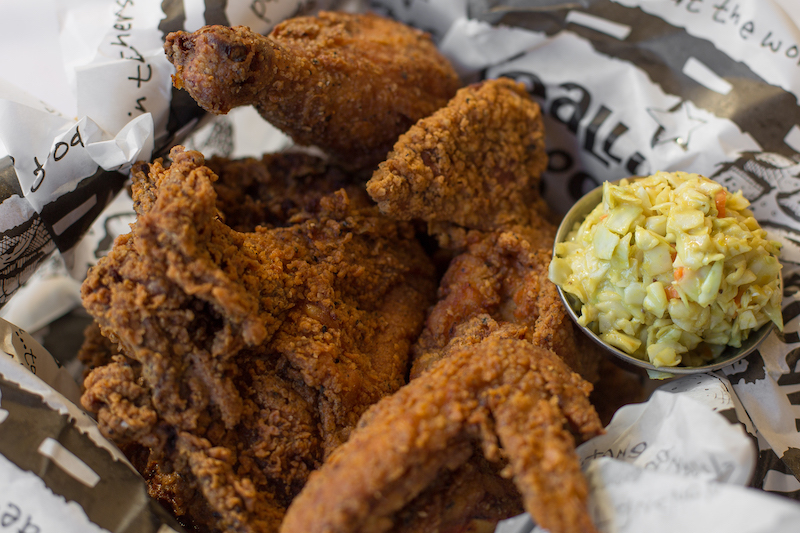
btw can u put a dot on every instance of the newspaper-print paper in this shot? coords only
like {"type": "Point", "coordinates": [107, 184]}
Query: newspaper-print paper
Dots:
{"type": "Point", "coordinates": [676, 463]}
{"type": "Point", "coordinates": [679, 503]}
{"type": "Point", "coordinates": [677, 434]}
{"type": "Point", "coordinates": [58, 473]}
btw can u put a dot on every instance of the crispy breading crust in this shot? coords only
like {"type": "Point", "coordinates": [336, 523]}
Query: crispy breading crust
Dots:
{"type": "Point", "coordinates": [502, 391]}
{"type": "Point", "coordinates": [247, 356]}
{"type": "Point", "coordinates": [504, 275]}
{"type": "Point", "coordinates": [348, 83]}
{"type": "Point", "coordinates": [475, 163]}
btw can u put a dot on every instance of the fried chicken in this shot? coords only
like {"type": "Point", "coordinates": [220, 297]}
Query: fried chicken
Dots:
{"type": "Point", "coordinates": [278, 189]}
{"type": "Point", "coordinates": [96, 349]}
{"type": "Point", "coordinates": [496, 377]}
{"type": "Point", "coordinates": [503, 275]}
{"type": "Point", "coordinates": [247, 357]}
{"type": "Point", "coordinates": [474, 163]}
{"type": "Point", "coordinates": [471, 171]}
{"type": "Point", "coordinates": [503, 396]}
{"type": "Point", "coordinates": [347, 83]}
{"type": "Point", "coordinates": [497, 288]}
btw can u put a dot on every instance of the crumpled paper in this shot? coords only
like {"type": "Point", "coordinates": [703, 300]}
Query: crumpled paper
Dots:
{"type": "Point", "coordinates": [57, 472]}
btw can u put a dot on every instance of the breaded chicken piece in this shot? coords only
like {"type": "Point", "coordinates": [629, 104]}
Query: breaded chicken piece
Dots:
{"type": "Point", "coordinates": [474, 163]}
{"type": "Point", "coordinates": [247, 357]}
{"type": "Point", "coordinates": [96, 350]}
{"type": "Point", "coordinates": [502, 397]}
{"type": "Point", "coordinates": [347, 83]}
{"type": "Point", "coordinates": [278, 189]}
{"type": "Point", "coordinates": [499, 282]}
{"type": "Point", "coordinates": [504, 275]}
{"type": "Point", "coordinates": [474, 489]}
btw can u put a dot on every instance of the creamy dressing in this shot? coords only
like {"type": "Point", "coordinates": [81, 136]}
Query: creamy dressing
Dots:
{"type": "Point", "coordinates": [671, 268]}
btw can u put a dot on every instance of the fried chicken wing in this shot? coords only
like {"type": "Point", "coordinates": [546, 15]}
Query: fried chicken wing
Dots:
{"type": "Point", "coordinates": [247, 357]}
{"type": "Point", "coordinates": [513, 402]}
{"type": "Point", "coordinates": [475, 163]}
{"type": "Point", "coordinates": [347, 83]}
{"type": "Point", "coordinates": [503, 276]}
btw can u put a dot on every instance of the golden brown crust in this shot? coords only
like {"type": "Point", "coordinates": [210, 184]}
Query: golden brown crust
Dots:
{"type": "Point", "coordinates": [500, 392]}
{"type": "Point", "coordinates": [474, 163]}
{"type": "Point", "coordinates": [503, 277]}
{"type": "Point", "coordinates": [278, 189]}
{"type": "Point", "coordinates": [249, 356]}
{"type": "Point", "coordinates": [348, 83]}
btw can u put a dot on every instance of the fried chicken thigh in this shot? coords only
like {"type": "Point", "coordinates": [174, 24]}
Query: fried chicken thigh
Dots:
{"type": "Point", "coordinates": [347, 83]}
{"type": "Point", "coordinates": [248, 357]}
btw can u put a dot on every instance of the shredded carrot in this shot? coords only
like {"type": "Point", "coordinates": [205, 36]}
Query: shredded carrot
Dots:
{"type": "Point", "coordinates": [673, 254]}
{"type": "Point", "coordinates": [738, 298]}
{"type": "Point", "coordinates": [672, 292]}
{"type": "Point", "coordinates": [719, 200]}
{"type": "Point", "coordinates": [680, 272]}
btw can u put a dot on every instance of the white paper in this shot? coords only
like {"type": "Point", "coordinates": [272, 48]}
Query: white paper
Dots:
{"type": "Point", "coordinates": [756, 33]}
{"type": "Point", "coordinates": [35, 67]}
{"type": "Point", "coordinates": [433, 17]}
{"type": "Point", "coordinates": [676, 434]}
{"type": "Point", "coordinates": [473, 45]}
{"type": "Point", "coordinates": [49, 293]}
{"type": "Point", "coordinates": [127, 73]}
{"type": "Point", "coordinates": [28, 505]}
{"type": "Point", "coordinates": [629, 499]}
{"type": "Point", "coordinates": [53, 153]}
{"type": "Point", "coordinates": [583, 103]}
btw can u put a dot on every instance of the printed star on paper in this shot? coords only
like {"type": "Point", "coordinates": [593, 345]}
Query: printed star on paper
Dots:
{"type": "Point", "coordinates": [674, 125]}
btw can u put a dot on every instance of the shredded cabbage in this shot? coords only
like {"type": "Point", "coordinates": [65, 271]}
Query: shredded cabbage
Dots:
{"type": "Point", "coordinates": [671, 268]}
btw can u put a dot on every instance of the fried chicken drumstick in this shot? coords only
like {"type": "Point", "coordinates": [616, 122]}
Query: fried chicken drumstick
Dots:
{"type": "Point", "coordinates": [474, 163]}
{"type": "Point", "coordinates": [247, 357]}
{"type": "Point", "coordinates": [347, 83]}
